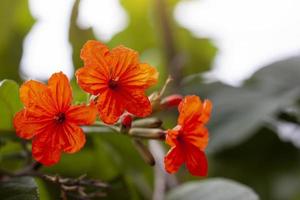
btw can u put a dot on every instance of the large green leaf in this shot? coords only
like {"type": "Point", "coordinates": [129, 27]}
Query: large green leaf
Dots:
{"type": "Point", "coordinates": [15, 20]}
{"type": "Point", "coordinates": [9, 104]}
{"type": "Point", "coordinates": [23, 188]}
{"type": "Point", "coordinates": [238, 112]}
{"type": "Point", "coordinates": [212, 189]}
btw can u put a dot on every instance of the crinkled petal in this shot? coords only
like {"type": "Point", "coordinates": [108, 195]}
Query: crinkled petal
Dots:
{"type": "Point", "coordinates": [122, 60]}
{"type": "Point", "coordinates": [110, 107]}
{"type": "Point", "coordinates": [198, 136]}
{"type": "Point", "coordinates": [141, 76]}
{"type": "Point", "coordinates": [36, 98]}
{"type": "Point", "coordinates": [91, 79]}
{"type": "Point", "coordinates": [171, 136]}
{"type": "Point", "coordinates": [73, 137]}
{"type": "Point", "coordinates": [206, 112]}
{"type": "Point", "coordinates": [94, 55]}
{"type": "Point", "coordinates": [196, 161]}
{"type": "Point", "coordinates": [28, 126]}
{"type": "Point", "coordinates": [46, 147]}
{"type": "Point", "coordinates": [61, 91]}
{"type": "Point", "coordinates": [189, 110]}
{"type": "Point", "coordinates": [136, 102]}
{"type": "Point", "coordinates": [82, 114]}
{"type": "Point", "coordinates": [173, 160]}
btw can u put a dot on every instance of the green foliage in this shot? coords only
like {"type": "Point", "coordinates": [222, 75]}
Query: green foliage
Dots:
{"type": "Point", "coordinates": [23, 188]}
{"type": "Point", "coordinates": [9, 104]}
{"type": "Point", "coordinates": [239, 112]}
{"type": "Point", "coordinates": [212, 189]}
{"type": "Point", "coordinates": [15, 21]}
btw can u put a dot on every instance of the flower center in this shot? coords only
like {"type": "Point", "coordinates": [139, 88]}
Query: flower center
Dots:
{"type": "Point", "coordinates": [60, 118]}
{"type": "Point", "coordinates": [112, 84]}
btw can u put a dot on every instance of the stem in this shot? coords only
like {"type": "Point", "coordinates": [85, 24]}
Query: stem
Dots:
{"type": "Point", "coordinates": [173, 63]}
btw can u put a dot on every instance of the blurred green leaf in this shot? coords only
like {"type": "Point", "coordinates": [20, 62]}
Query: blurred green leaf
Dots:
{"type": "Point", "coordinates": [212, 189]}
{"type": "Point", "coordinates": [19, 188]}
{"type": "Point", "coordinates": [16, 21]}
{"type": "Point", "coordinates": [239, 112]}
{"type": "Point", "coordinates": [9, 104]}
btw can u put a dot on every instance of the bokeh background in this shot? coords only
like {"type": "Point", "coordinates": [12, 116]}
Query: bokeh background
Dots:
{"type": "Point", "coordinates": [242, 54]}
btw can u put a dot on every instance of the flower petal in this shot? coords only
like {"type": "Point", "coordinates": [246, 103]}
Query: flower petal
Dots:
{"type": "Point", "coordinates": [35, 96]}
{"type": "Point", "coordinates": [173, 160]}
{"type": "Point", "coordinates": [196, 161]}
{"type": "Point", "coordinates": [61, 91]}
{"type": "Point", "coordinates": [136, 102]}
{"type": "Point", "coordinates": [73, 137]}
{"type": "Point", "coordinates": [110, 107]}
{"type": "Point", "coordinates": [94, 55]}
{"type": "Point", "coordinates": [46, 148]}
{"type": "Point", "coordinates": [91, 80]}
{"type": "Point", "coordinates": [142, 76]}
{"type": "Point", "coordinates": [189, 110]}
{"type": "Point", "coordinates": [28, 126]}
{"type": "Point", "coordinates": [206, 112]}
{"type": "Point", "coordinates": [198, 136]}
{"type": "Point", "coordinates": [171, 136]}
{"type": "Point", "coordinates": [122, 59]}
{"type": "Point", "coordinates": [82, 114]}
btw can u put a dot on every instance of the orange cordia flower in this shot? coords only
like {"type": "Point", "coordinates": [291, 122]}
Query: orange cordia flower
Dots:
{"type": "Point", "coordinates": [117, 78]}
{"type": "Point", "coordinates": [190, 137]}
{"type": "Point", "coordinates": [51, 120]}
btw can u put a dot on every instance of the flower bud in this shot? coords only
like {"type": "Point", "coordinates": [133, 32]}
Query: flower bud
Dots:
{"type": "Point", "coordinates": [147, 133]}
{"type": "Point", "coordinates": [147, 123]}
{"type": "Point", "coordinates": [126, 122]}
{"type": "Point", "coordinates": [171, 101]}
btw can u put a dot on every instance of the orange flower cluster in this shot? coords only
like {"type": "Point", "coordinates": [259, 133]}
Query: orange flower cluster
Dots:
{"type": "Point", "coordinates": [190, 137]}
{"type": "Point", "coordinates": [118, 79]}
{"type": "Point", "coordinates": [117, 82]}
{"type": "Point", "coordinates": [51, 120]}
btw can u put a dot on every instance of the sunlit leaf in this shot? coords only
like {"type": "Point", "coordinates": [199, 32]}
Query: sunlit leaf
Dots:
{"type": "Point", "coordinates": [9, 104]}
{"type": "Point", "coordinates": [15, 20]}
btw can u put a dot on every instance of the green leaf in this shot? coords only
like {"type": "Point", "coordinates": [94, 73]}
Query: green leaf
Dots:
{"type": "Point", "coordinates": [212, 189]}
{"type": "Point", "coordinates": [16, 21]}
{"type": "Point", "coordinates": [9, 104]}
{"type": "Point", "coordinates": [239, 112]}
{"type": "Point", "coordinates": [19, 188]}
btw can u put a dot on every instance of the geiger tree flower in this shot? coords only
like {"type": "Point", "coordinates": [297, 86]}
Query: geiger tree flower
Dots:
{"type": "Point", "coordinates": [118, 80]}
{"type": "Point", "coordinates": [190, 137]}
{"type": "Point", "coordinates": [49, 118]}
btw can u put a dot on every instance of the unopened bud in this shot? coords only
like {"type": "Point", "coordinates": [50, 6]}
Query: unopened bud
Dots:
{"type": "Point", "coordinates": [126, 122]}
{"type": "Point", "coordinates": [147, 123]}
{"type": "Point", "coordinates": [144, 151]}
{"type": "Point", "coordinates": [147, 133]}
{"type": "Point", "coordinates": [171, 101]}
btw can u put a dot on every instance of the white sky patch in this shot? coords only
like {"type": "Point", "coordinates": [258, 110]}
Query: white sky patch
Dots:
{"type": "Point", "coordinates": [106, 17]}
{"type": "Point", "coordinates": [46, 47]}
{"type": "Point", "coordinates": [248, 33]}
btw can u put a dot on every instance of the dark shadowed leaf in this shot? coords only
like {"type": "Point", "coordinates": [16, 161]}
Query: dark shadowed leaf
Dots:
{"type": "Point", "coordinates": [238, 112]}
{"type": "Point", "coordinates": [21, 188]}
{"type": "Point", "coordinates": [212, 189]}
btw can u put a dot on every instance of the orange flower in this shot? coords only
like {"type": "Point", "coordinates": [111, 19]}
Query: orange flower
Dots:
{"type": "Point", "coordinates": [51, 120]}
{"type": "Point", "coordinates": [190, 137]}
{"type": "Point", "coordinates": [117, 78]}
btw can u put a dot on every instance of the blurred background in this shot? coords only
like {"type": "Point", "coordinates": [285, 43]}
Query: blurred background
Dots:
{"type": "Point", "coordinates": [242, 54]}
